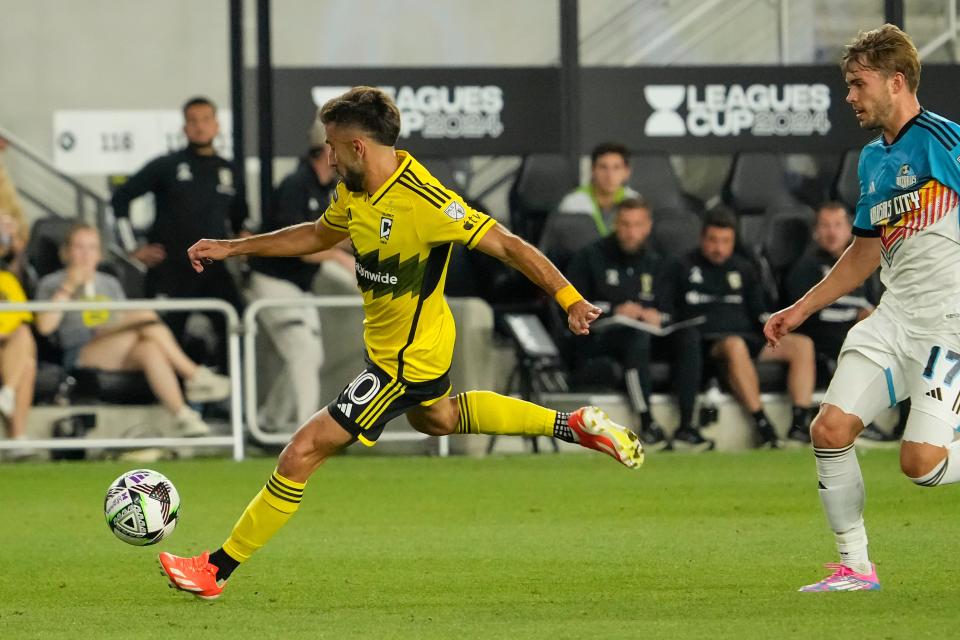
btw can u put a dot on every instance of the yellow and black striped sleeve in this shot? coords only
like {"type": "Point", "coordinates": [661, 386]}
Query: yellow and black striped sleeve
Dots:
{"type": "Point", "coordinates": [452, 220]}
{"type": "Point", "coordinates": [335, 216]}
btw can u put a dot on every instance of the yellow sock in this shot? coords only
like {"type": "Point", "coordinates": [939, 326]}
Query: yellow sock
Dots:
{"type": "Point", "coordinates": [492, 413]}
{"type": "Point", "coordinates": [264, 516]}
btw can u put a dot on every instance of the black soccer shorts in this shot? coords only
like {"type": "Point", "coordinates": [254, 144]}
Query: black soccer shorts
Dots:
{"type": "Point", "coordinates": [374, 398]}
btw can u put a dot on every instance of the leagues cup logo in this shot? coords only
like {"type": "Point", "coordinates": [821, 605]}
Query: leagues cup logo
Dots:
{"type": "Point", "coordinates": [721, 110]}
{"type": "Point", "coordinates": [665, 100]}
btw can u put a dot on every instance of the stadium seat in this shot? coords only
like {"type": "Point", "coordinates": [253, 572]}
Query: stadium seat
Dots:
{"type": "Point", "coordinates": [756, 182]}
{"type": "Point", "coordinates": [566, 233]}
{"type": "Point", "coordinates": [675, 232]}
{"type": "Point", "coordinates": [113, 387]}
{"type": "Point", "coordinates": [653, 177]}
{"type": "Point", "coordinates": [751, 232]}
{"type": "Point", "coordinates": [846, 187]}
{"type": "Point", "coordinates": [46, 237]}
{"type": "Point", "coordinates": [541, 182]}
{"type": "Point", "coordinates": [785, 238]}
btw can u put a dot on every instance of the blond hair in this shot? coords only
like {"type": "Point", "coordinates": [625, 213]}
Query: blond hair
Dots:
{"type": "Point", "coordinates": [888, 50]}
{"type": "Point", "coordinates": [10, 202]}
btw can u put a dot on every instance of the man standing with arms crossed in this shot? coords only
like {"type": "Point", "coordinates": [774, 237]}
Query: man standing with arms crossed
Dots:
{"type": "Point", "coordinates": [907, 222]}
{"type": "Point", "coordinates": [402, 222]}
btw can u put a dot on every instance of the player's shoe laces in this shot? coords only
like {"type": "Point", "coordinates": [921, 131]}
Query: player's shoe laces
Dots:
{"type": "Point", "coordinates": [195, 575]}
{"type": "Point", "coordinates": [594, 430]}
{"type": "Point", "coordinates": [844, 578]}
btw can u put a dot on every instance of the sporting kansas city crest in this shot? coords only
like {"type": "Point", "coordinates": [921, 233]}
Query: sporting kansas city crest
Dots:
{"type": "Point", "coordinates": [906, 177]}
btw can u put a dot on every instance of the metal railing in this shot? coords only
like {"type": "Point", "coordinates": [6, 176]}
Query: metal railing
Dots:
{"type": "Point", "coordinates": [947, 37]}
{"type": "Point", "coordinates": [234, 440]}
{"type": "Point", "coordinates": [88, 205]}
{"type": "Point", "coordinates": [250, 368]}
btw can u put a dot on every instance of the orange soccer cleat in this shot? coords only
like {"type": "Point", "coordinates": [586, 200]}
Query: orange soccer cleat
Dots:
{"type": "Point", "coordinates": [195, 575]}
{"type": "Point", "coordinates": [594, 430]}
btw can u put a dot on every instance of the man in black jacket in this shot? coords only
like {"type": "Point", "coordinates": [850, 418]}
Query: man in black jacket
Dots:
{"type": "Point", "coordinates": [619, 272]}
{"type": "Point", "coordinates": [724, 288]}
{"type": "Point", "coordinates": [196, 197]}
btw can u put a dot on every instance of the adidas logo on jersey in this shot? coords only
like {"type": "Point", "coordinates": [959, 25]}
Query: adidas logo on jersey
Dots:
{"type": "Point", "coordinates": [346, 408]}
{"type": "Point", "coordinates": [936, 394]}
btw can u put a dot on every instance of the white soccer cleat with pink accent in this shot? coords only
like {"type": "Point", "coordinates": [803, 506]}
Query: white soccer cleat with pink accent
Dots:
{"type": "Point", "coordinates": [844, 578]}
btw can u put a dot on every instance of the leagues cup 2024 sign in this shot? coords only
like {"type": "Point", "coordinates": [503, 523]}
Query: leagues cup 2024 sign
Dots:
{"type": "Point", "coordinates": [444, 111]}
{"type": "Point", "coordinates": [729, 109]}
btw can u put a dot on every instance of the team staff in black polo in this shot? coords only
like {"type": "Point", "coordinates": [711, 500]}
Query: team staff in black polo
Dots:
{"type": "Point", "coordinates": [620, 272]}
{"type": "Point", "coordinates": [715, 283]}
{"type": "Point", "coordinates": [196, 197]}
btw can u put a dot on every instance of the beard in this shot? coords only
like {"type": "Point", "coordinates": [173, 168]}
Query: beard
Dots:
{"type": "Point", "coordinates": [352, 179]}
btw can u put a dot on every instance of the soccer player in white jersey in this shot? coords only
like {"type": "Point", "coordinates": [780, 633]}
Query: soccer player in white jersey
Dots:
{"type": "Point", "coordinates": [906, 222]}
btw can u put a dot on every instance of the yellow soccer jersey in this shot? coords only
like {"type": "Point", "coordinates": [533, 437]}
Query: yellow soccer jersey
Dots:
{"type": "Point", "coordinates": [11, 291]}
{"type": "Point", "coordinates": [402, 237]}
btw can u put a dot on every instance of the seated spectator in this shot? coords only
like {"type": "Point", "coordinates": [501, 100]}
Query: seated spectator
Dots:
{"type": "Point", "coordinates": [125, 341]}
{"type": "Point", "coordinates": [302, 196]}
{"type": "Point", "coordinates": [724, 288]}
{"type": "Point", "coordinates": [832, 234]}
{"type": "Point", "coordinates": [619, 274]}
{"type": "Point", "coordinates": [598, 200]}
{"type": "Point", "coordinates": [18, 364]}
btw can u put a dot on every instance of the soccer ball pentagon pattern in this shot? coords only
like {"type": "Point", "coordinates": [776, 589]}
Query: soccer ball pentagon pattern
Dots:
{"type": "Point", "coordinates": [141, 507]}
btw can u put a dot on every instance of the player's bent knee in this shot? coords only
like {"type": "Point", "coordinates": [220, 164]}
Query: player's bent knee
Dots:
{"type": "Point", "coordinates": [834, 429]}
{"type": "Point", "coordinates": [918, 460]}
{"type": "Point", "coordinates": [438, 419]}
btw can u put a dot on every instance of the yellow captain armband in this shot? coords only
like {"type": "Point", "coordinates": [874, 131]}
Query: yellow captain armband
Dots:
{"type": "Point", "coordinates": [567, 297]}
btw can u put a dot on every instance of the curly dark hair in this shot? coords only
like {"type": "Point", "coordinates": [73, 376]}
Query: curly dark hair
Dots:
{"type": "Point", "coordinates": [368, 108]}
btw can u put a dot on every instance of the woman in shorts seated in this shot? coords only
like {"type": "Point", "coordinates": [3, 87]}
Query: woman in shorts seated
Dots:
{"type": "Point", "coordinates": [122, 341]}
{"type": "Point", "coordinates": [18, 364]}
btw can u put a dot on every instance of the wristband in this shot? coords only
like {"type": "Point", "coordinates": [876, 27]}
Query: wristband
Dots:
{"type": "Point", "coordinates": [567, 297]}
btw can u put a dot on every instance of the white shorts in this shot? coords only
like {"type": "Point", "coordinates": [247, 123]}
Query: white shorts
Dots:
{"type": "Point", "coordinates": [882, 363]}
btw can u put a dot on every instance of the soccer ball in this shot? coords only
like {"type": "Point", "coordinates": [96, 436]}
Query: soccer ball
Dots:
{"type": "Point", "coordinates": [141, 507]}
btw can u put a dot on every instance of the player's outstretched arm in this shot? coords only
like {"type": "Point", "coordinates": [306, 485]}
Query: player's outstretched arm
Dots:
{"type": "Point", "coordinates": [855, 265]}
{"type": "Point", "coordinates": [297, 240]}
{"type": "Point", "coordinates": [516, 252]}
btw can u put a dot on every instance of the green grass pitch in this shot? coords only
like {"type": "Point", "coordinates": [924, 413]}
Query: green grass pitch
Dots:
{"type": "Point", "coordinates": [549, 546]}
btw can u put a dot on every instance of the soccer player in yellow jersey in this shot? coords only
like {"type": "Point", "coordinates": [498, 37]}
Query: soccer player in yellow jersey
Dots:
{"type": "Point", "coordinates": [402, 223]}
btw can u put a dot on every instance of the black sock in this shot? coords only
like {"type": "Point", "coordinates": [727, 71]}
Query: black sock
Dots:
{"type": "Point", "coordinates": [224, 563]}
{"type": "Point", "coordinates": [761, 420]}
{"type": "Point", "coordinates": [801, 418]}
{"type": "Point", "coordinates": [646, 419]}
{"type": "Point", "coordinates": [562, 430]}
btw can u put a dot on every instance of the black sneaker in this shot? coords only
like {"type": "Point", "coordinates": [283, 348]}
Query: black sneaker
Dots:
{"type": "Point", "coordinates": [767, 437]}
{"type": "Point", "coordinates": [653, 438]}
{"type": "Point", "coordinates": [690, 439]}
{"type": "Point", "coordinates": [873, 437]}
{"type": "Point", "coordinates": [798, 435]}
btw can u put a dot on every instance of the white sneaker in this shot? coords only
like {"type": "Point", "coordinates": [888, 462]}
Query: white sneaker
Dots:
{"type": "Point", "coordinates": [8, 401]}
{"type": "Point", "coordinates": [20, 453]}
{"type": "Point", "coordinates": [190, 424]}
{"type": "Point", "coordinates": [207, 386]}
